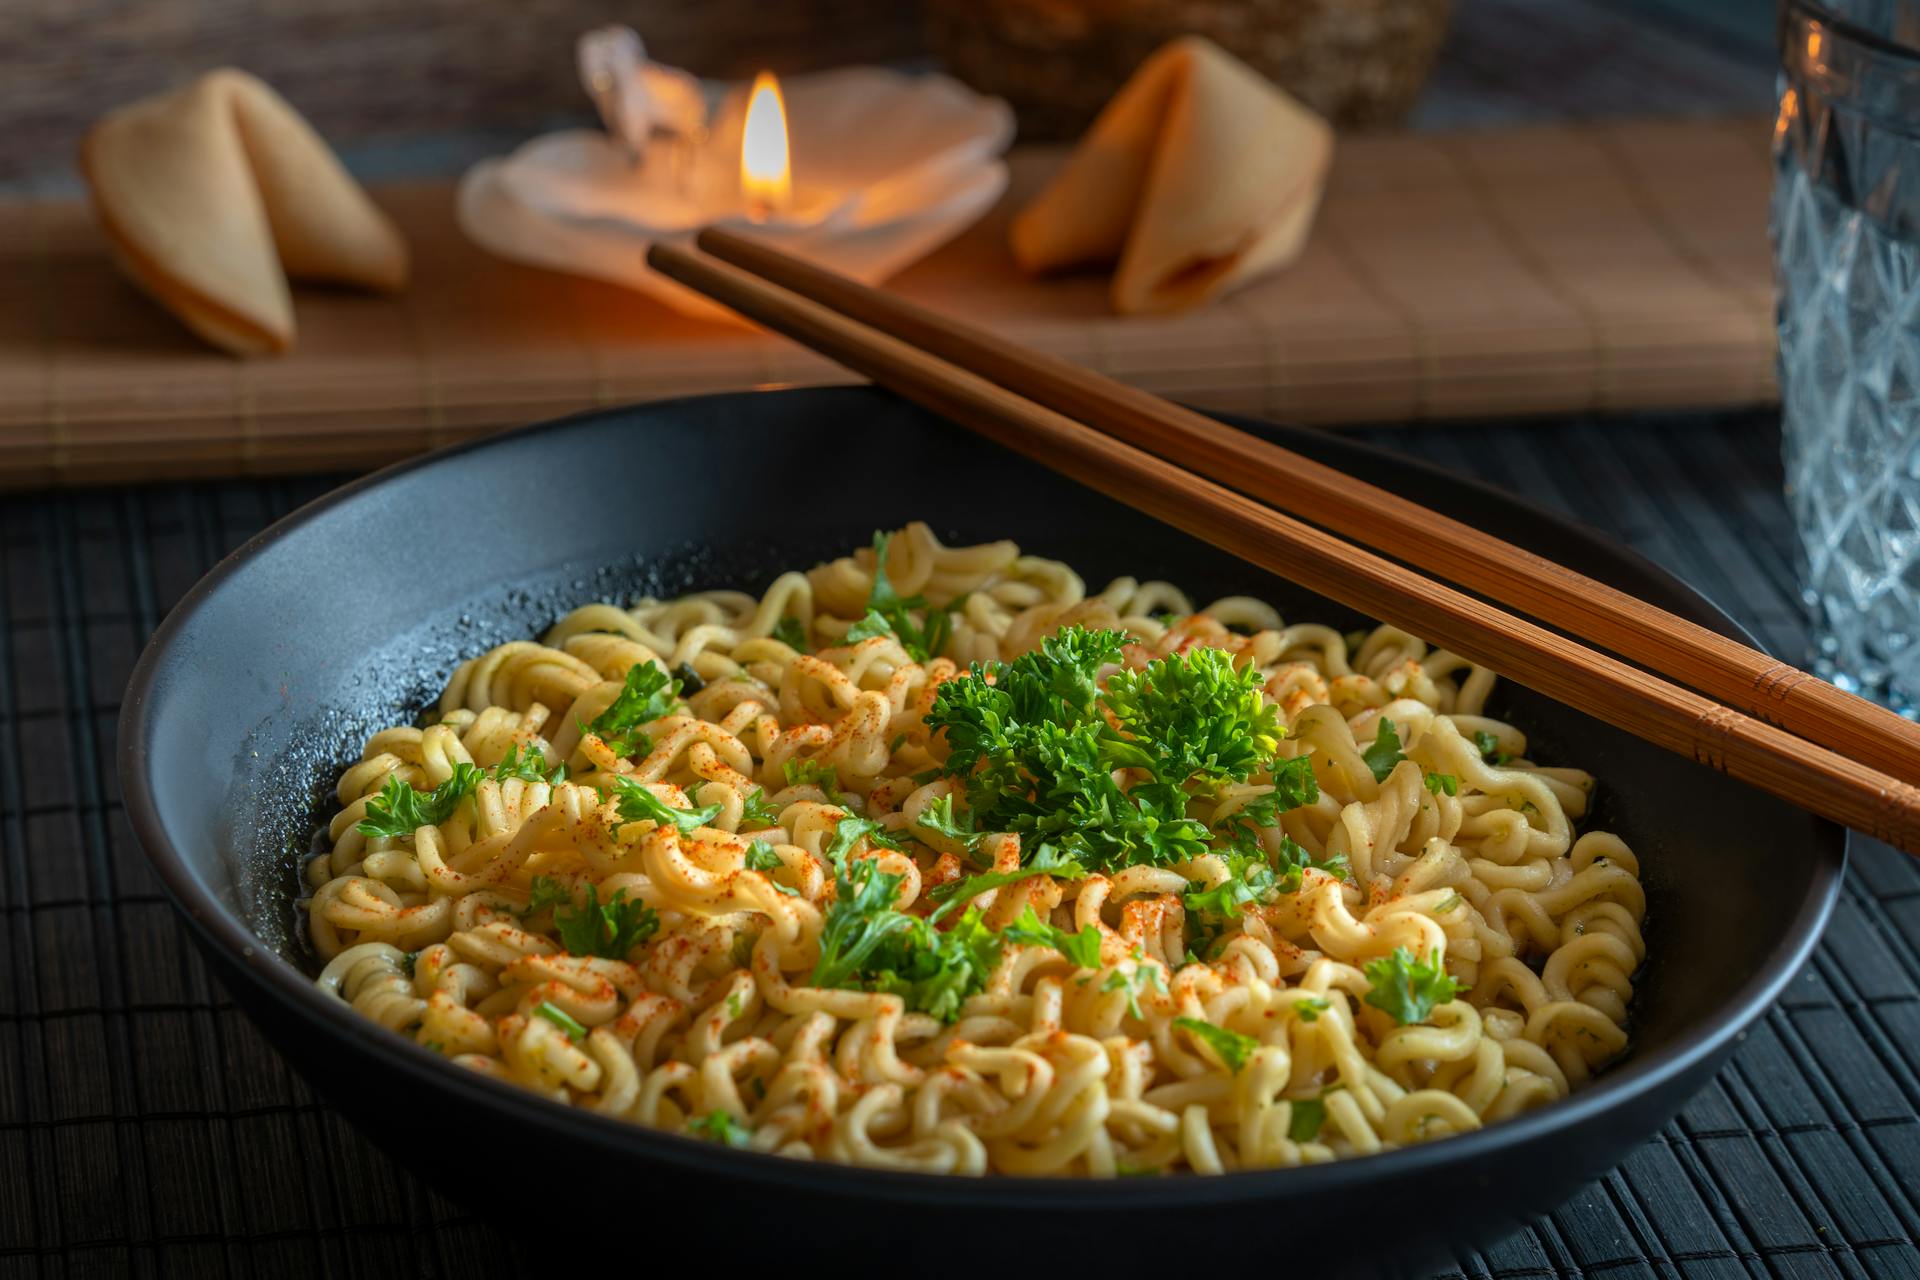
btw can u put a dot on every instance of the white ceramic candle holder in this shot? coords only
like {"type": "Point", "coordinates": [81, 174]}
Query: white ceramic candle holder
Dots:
{"type": "Point", "coordinates": [885, 168]}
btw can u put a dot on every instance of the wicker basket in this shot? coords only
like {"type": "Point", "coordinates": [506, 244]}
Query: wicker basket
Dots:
{"type": "Point", "coordinates": [1357, 62]}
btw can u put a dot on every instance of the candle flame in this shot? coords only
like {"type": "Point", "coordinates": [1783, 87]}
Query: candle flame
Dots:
{"type": "Point", "coordinates": [766, 176]}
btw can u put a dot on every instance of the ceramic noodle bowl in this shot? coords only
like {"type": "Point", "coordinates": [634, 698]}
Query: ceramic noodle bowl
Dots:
{"type": "Point", "coordinates": [265, 682]}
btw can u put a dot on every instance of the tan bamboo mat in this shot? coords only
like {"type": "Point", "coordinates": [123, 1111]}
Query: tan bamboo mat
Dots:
{"type": "Point", "coordinates": [1548, 269]}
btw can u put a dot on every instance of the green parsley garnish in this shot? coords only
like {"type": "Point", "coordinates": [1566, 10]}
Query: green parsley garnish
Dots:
{"type": "Point", "coordinates": [609, 930]}
{"type": "Point", "coordinates": [818, 773]}
{"type": "Point", "coordinates": [1046, 861]}
{"type": "Point", "coordinates": [941, 819]}
{"type": "Point", "coordinates": [866, 943]}
{"type": "Point", "coordinates": [399, 810]}
{"type": "Point", "coordinates": [1254, 881]}
{"type": "Point", "coordinates": [1033, 741]}
{"type": "Point", "coordinates": [1385, 752]}
{"type": "Point", "coordinates": [1083, 948]}
{"type": "Point", "coordinates": [637, 804]}
{"type": "Point", "coordinates": [691, 681]}
{"type": "Point", "coordinates": [757, 813]}
{"type": "Point", "coordinates": [1310, 1009]}
{"type": "Point", "coordinates": [847, 832]}
{"type": "Point", "coordinates": [1443, 782]}
{"type": "Point", "coordinates": [530, 767]}
{"type": "Point", "coordinates": [761, 857]}
{"type": "Point", "coordinates": [560, 1018]}
{"type": "Point", "coordinates": [789, 632]}
{"type": "Point", "coordinates": [1231, 1047]}
{"type": "Point", "coordinates": [1489, 748]}
{"type": "Point", "coordinates": [721, 1127]}
{"type": "Point", "coordinates": [1408, 989]}
{"type": "Point", "coordinates": [1143, 975]}
{"type": "Point", "coordinates": [1307, 1116]}
{"type": "Point", "coordinates": [888, 614]}
{"type": "Point", "coordinates": [649, 694]}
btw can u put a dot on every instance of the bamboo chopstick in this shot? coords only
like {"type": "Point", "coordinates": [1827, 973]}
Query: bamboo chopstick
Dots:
{"type": "Point", "coordinates": [1603, 616]}
{"type": "Point", "coordinates": [1809, 776]}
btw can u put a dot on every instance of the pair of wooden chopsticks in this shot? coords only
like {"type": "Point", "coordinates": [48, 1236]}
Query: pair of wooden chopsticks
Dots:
{"type": "Point", "coordinates": [1785, 731]}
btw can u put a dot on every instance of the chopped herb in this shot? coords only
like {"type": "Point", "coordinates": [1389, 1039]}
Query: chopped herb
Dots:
{"type": "Point", "coordinates": [637, 804]}
{"type": "Point", "coordinates": [721, 1127]}
{"type": "Point", "coordinates": [940, 818]}
{"type": "Point", "coordinates": [1038, 742]}
{"type": "Point", "coordinates": [818, 773]}
{"type": "Point", "coordinates": [408, 962]}
{"type": "Point", "coordinates": [1385, 752]}
{"type": "Point", "coordinates": [1231, 1047]}
{"type": "Point", "coordinates": [1083, 948]}
{"type": "Point", "coordinates": [890, 613]}
{"type": "Point", "coordinates": [899, 740]}
{"type": "Point", "coordinates": [648, 694]}
{"type": "Point", "coordinates": [866, 943]}
{"type": "Point", "coordinates": [756, 813]}
{"type": "Point", "coordinates": [1308, 1115]}
{"type": "Point", "coordinates": [1447, 904]}
{"type": "Point", "coordinates": [560, 1018]}
{"type": "Point", "coordinates": [691, 682]}
{"type": "Point", "coordinates": [1489, 747]}
{"type": "Point", "coordinates": [399, 810]}
{"type": "Point", "coordinates": [1254, 881]}
{"type": "Point", "coordinates": [1310, 1009]}
{"type": "Point", "coordinates": [847, 833]}
{"type": "Point", "coordinates": [530, 767]}
{"type": "Point", "coordinates": [1143, 975]}
{"type": "Point", "coordinates": [1408, 989]}
{"type": "Point", "coordinates": [1443, 782]}
{"type": "Point", "coordinates": [607, 929]}
{"type": "Point", "coordinates": [761, 857]}
{"type": "Point", "coordinates": [1046, 861]}
{"type": "Point", "coordinates": [734, 1005]}
{"type": "Point", "coordinates": [791, 633]}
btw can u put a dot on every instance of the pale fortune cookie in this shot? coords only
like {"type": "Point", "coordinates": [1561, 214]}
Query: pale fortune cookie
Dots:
{"type": "Point", "coordinates": [1198, 176]}
{"type": "Point", "coordinates": [214, 194]}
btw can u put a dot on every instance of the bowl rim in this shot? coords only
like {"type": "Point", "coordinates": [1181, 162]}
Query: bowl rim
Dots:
{"type": "Point", "coordinates": [229, 937]}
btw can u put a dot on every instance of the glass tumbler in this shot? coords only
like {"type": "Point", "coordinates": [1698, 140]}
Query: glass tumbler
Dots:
{"type": "Point", "coordinates": [1846, 233]}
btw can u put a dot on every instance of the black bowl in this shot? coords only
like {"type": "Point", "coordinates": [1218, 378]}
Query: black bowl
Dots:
{"type": "Point", "coordinates": [349, 614]}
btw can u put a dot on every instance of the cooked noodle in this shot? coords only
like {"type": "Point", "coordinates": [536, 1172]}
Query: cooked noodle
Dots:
{"type": "Point", "coordinates": [1202, 1039]}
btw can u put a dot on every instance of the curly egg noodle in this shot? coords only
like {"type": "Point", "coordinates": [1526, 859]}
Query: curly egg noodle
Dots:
{"type": "Point", "coordinates": [1252, 1034]}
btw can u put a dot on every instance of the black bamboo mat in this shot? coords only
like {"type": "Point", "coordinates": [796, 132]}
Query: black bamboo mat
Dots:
{"type": "Point", "coordinates": [146, 1129]}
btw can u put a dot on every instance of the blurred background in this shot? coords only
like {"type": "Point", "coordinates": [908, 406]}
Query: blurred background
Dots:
{"type": "Point", "coordinates": [429, 85]}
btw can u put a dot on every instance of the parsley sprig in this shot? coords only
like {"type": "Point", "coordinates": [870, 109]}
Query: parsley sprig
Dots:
{"type": "Point", "coordinates": [1083, 948]}
{"type": "Point", "coordinates": [648, 694]}
{"type": "Point", "coordinates": [1385, 753]}
{"type": "Point", "coordinates": [891, 614]}
{"type": "Point", "coordinates": [1408, 988]}
{"type": "Point", "coordinates": [528, 767]}
{"type": "Point", "coordinates": [609, 929]}
{"type": "Point", "coordinates": [866, 943]}
{"type": "Point", "coordinates": [1037, 742]}
{"type": "Point", "coordinates": [399, 810]}
{"type": "Point", "coordinates": [637, 804]}
{"type": "Point", "coordinates": [1231, 1047]}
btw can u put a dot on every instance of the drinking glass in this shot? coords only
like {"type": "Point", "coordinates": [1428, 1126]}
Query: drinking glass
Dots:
{"type": "Point", "coordinates": [1845, 221]}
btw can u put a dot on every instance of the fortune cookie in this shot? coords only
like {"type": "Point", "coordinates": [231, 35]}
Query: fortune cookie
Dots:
{"type": "Point", "coordinates": [1198, 176]}
{"type": "Point", "coordinates": [214, 194]}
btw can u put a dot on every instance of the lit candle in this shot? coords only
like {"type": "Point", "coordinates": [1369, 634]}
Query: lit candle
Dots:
{"type": "Point", "coordinates": [766, 176]}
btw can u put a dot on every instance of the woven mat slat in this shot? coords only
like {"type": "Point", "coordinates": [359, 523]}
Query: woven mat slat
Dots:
{"type": "Point", "coordinates": [1517, 271]}
{"type": "Point", "coordinates": [145, 1127]}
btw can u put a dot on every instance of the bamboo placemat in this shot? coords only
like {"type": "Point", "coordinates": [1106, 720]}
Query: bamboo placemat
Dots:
{"type": "Point", "coordinates": [1521, 271]}
{"type": "Point", "coordinates": [146, 1129]}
